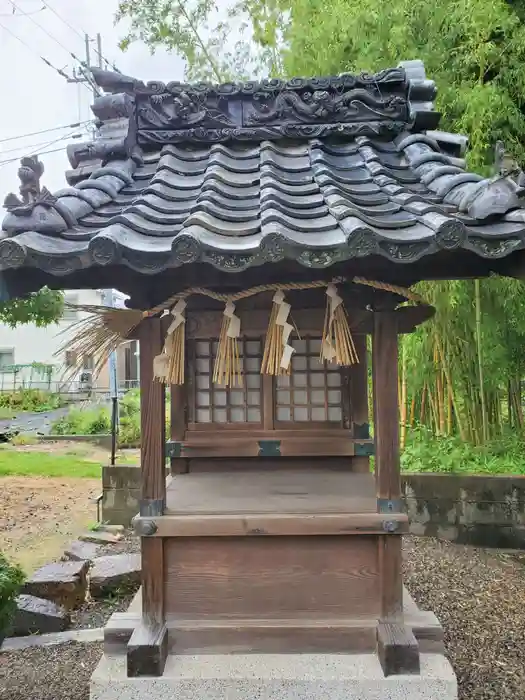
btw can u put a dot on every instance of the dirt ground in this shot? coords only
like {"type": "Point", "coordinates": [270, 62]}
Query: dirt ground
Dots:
{"type": "Point", "coordinates": [40, 516]}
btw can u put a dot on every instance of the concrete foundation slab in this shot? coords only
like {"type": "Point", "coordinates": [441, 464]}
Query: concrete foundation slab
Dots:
{"type": "Point", "coordinates": [275, 677]}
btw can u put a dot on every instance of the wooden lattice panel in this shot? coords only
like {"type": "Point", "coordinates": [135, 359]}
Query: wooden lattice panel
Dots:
{"type": "Point", "coordinates": [312, 392]}
{"type": "Point", "coordinates": [215, 403]}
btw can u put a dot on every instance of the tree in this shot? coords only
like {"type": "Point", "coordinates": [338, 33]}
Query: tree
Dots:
{"type": "Point", "coordinates": [42, 308]}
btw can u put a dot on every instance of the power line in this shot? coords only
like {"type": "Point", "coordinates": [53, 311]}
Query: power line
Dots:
{"type": "Point", "coordinates": [23, 14]}
{"type": "Point", "coordinates": [75, 125]}
{"type": "Point", "coordinates": [33, 146]}
{"type": "Point", "coordinates": [39, 152]}
{"type": "Point", "coordinates": [35, 53]}
{"type": "Point", "coordinates": [57, 41]}
{"type": "Point", "coordinates": [77, 32]}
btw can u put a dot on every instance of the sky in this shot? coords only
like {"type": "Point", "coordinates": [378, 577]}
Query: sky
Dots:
{"type": "Point", "coordinates": [33, 97]}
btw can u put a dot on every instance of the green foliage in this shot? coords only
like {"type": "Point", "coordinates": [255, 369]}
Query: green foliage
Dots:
{"type": "Point", "coordinates": [199, 31]}
{"type": "Point", "coordinates": [129, 419]}
{"type": "Point", "coordinates": [11, 580]}
{"type": "Point", "coordinates": [32, 400]}
{"type": "Point", "coordinates": [23, 439]}
{"type": "Point", "coordinates": [425, 452]}
{"type": "Point", "coordinates": [20, 463]}
{"type": "Point", "coordinates": [474, 50]}
{"type": "Point", "coordinates": [41, 308]}
{"type": "Point", "coordinates": [81, 422]}
{"type": "Point", "coordinates": [98, 422]}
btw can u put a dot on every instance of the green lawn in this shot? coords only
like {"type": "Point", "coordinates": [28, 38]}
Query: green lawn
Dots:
{"type": "Point", "coordinates": [6, 413]}
{"type": "Point", "coordinates": [13, 463]}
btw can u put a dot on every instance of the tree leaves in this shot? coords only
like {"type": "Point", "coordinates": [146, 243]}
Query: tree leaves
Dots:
{"type": "Point", "coordinates": [41, 308]}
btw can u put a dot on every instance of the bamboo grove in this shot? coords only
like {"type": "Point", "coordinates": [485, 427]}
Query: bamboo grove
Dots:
{"type": "Point", "coordinates": [461, 373]}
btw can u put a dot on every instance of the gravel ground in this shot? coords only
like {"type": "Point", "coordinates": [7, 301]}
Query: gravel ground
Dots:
{"type": "Point", "coordinates": [97, 612]}
{"type": "Point", "coordinates": [49, 673]}
{"type": "Point", "coordinates": [479, 598]}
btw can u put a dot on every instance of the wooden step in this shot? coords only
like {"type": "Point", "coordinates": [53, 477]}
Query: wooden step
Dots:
{"type": "Point", "coordinates": [251, 636]}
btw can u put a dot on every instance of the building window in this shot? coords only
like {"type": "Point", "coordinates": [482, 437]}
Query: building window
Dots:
{"type": "Point", "coordinates": [88, 363]}
{"type": "Point", "coordinates": [70, 358]}
{"type": "Point", "coordinates": [312, 390]}
{"type": "Point", "coordinates": [7, 357]}
{"type": "Point", "coordinates": [311, 393]}
{"type": "Point", "coordinates": [214, 403]}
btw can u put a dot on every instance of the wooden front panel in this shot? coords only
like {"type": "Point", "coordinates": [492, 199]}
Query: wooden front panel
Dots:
{"type": "Point", "coordinates": [272, 577]}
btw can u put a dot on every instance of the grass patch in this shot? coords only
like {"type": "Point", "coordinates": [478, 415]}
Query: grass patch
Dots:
{"type": "Point", "coordinates": [13, 463]}
{"type": "Point", "coordinates": [7, 413]}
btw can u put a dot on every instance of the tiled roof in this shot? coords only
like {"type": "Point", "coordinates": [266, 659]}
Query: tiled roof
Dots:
{"type": "Point", "coordinates": [242, 203]}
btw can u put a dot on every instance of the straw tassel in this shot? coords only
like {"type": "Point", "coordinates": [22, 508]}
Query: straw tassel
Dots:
{"type": "Point", "coordinates": [168, 367]}
{"type": "Point", "coordinates": [337, 345]}
{"type": "Point", "coordinates": [277, 350]}
{"type": "Point", "coordinates": [227, 369]}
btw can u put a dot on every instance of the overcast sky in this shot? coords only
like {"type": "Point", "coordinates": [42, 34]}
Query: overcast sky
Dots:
{"type": "Point", "coordinates": [34, 97]}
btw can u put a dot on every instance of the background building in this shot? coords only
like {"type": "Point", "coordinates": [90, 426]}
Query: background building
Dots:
{"type": "Point", "coordinates": [31, 356]}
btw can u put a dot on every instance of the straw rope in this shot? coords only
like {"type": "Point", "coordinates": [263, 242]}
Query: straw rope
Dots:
{"type": "Point", "coordinates": [102, 332]}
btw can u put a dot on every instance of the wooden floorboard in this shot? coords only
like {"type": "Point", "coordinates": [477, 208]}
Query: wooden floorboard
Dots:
{"type": "Point", "coordinates": [286, 491]}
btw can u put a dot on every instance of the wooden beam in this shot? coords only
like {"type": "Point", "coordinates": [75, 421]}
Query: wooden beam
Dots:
{"type": "Point", "coordinates": [178, 422]}
{"type": "Point", "coordinates": [358, 376]}
{"type": "Point", "coordinates": [152, 421]}
{"type": "Point", "coordinates": [147, 648]}
{"type": "Point", "coordinates": [386, 407]}
{"type": "Point", "coordinates": [397, 649]}
{"type": "Point", "coordinates": [272, 524]}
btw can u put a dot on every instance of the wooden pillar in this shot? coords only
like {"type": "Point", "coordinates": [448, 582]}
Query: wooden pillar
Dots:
{"type": "Point", "coordinates": [358, 376]}
{"type": "Point", "coordinates": [397, 646]}
{"type": "Point", "coordinates": [178, 419]}
{"type": "Point", "coordinates": [147, 647]}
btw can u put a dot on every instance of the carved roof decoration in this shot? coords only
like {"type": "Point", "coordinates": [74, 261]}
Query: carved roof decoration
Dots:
{"type": "Point", "coordinates": [318, 171]}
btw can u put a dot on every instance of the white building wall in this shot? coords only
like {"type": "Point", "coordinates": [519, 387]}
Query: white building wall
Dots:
{"type": "Point", "coordinates": [30, 344]}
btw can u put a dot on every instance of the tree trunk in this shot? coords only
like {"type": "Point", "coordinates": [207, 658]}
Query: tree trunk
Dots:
{"type": "Point", "coordinates": [484, 419]}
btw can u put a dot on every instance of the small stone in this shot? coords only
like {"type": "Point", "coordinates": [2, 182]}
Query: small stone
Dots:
{"type": "Point", "coordinates": [111, 573]}
{"type": "Point", "coordinates": [37, 615]}
{"type": "Point", "coordinates": [99, 537]}
{"type": "Point", "coordinates": [113, 529]}
{"type": "Point", "coordinates": [82, 551]}
{"type": "Point", "coordinates": [63, 582]}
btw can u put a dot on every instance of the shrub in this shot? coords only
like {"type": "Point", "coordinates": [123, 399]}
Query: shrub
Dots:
{"type": "Point", "coordinates": [23, 439]}
{"type": "Point", "coordinates": [11, 579]}
{"type": "Point", "coordinates": [33, 400]}
{"type": "Point", "coordinates": [78, 422]}
{"type": "Point", "coordinates": [98, 422]}
{"type": "Point", "coordinates": [425, 452]}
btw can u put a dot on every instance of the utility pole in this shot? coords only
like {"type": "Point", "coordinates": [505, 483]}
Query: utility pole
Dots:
{"type": "Point", "coordinates": [83, 75]}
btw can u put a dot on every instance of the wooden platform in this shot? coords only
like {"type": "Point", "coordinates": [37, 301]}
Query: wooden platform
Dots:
{"type": "Point", "coordinates": [311, 491]}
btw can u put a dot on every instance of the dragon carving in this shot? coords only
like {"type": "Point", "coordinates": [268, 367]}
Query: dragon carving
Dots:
{"type": "Point", "coordinates": [183, 109]}
{"type": "Point", "coordinates": [320, 105]}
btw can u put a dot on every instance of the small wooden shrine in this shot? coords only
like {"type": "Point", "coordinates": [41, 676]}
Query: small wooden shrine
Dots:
{"type": "Point", "coordinates": [262, 232]}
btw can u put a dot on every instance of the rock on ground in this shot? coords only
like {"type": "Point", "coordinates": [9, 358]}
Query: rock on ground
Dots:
{"type": "Point", "coordinates": [100, 537]}
{"type": "Point", "coordinates": [120, 571]}
{"type": "Point", "coordinates": [82, 551]}
{"type": "Point", "coordinates": [64, 583]}
{"type": "Point", "coordinates": [38, 615]}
